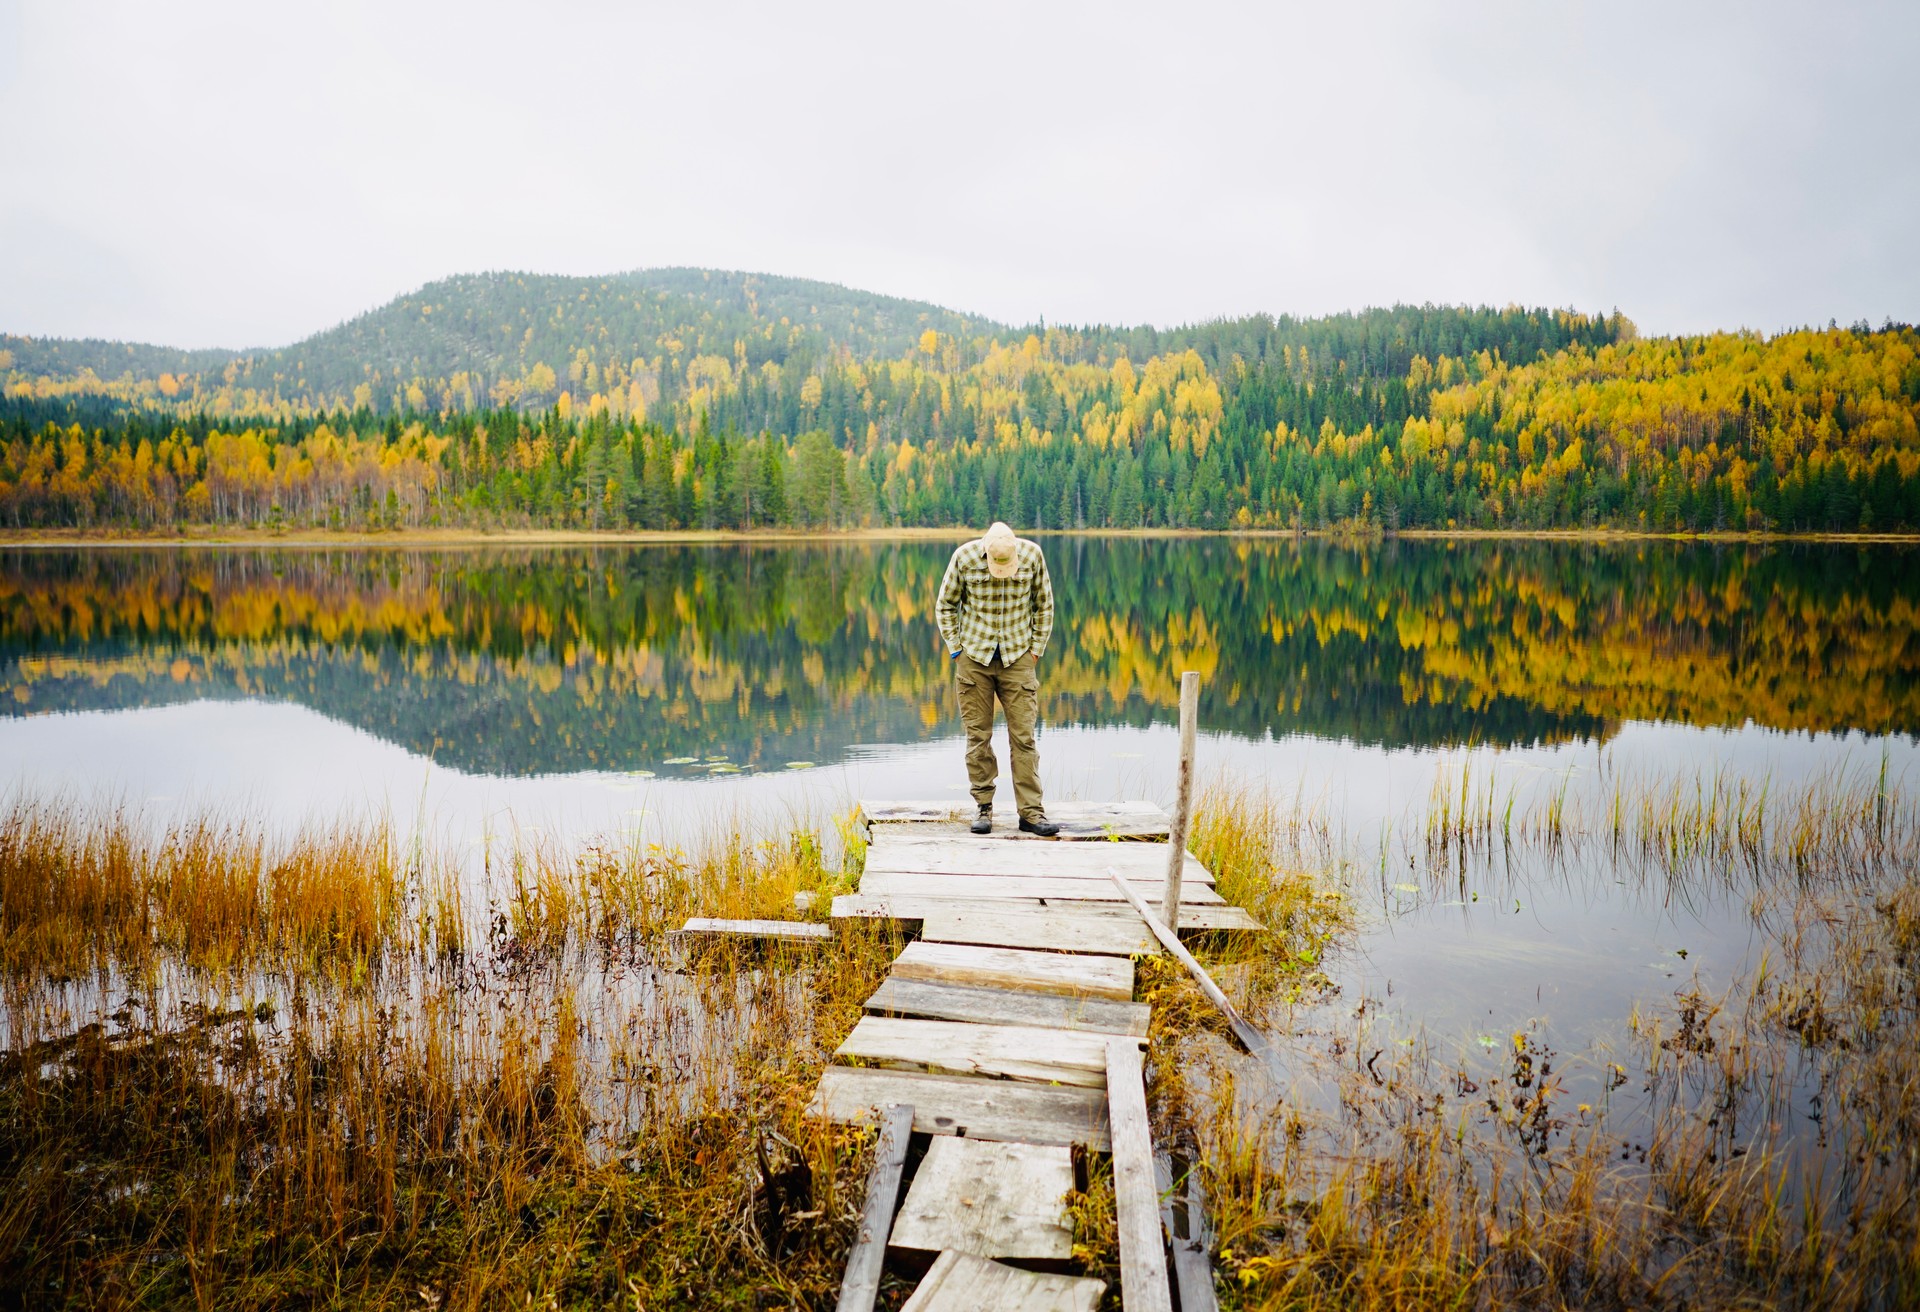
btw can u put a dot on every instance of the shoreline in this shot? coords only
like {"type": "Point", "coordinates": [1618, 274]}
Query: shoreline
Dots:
{"type": "Point", "coordinates": [537, 537]}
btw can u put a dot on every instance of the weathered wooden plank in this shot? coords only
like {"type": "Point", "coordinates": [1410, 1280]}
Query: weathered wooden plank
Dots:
{"type": "Point", "coordinates": [1042, 972]}
{"type": "Point", "coordinates": [973, 856]}
{"type": "Point", "coordinates": [782, 931]}
{"type": "Point", "coordinates": [880, 811]}
{"type": "Point", "coordinates": [1069, 837]}
{"type": "Point", "coordinates": [1136, 1200]}
{"type": "Point", "coordinates": [962, 1282]}
{"type": "Point", "coordinates": [1195, 917]}
{"type": "Point", "coordinates": [1009, 1110]}
{"type": "Point", "coordinates": [1029, 886]}
{"type": "Point", "coordinates": [1005, 833]}
{"type": "Point", "coordinates": [861, 1284]}
{"type": "Point", "coordinates": [868, 906]}
{"type": "Point", "coordinates": [1013, 1052]}
{"type": "Point", "coordinates": [983, 1006]}
{"type": "Point", "coordinates": [990, 1199]}
{"type": "Point", "coordinates": [991, 925]}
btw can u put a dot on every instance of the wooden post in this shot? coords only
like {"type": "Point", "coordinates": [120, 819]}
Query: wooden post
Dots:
{"type": "Point", "coordinates": [1183, 800]}
{"type": "Point", "coordinates": [861, 1284]}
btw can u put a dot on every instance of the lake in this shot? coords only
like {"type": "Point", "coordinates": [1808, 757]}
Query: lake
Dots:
{"type": "Point", "coordinates": [574, 688]}
{"type": "Point", "coordinates": [484, 697]}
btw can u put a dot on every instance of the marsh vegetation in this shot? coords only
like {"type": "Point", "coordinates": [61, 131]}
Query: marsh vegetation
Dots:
{"type": "Point", "coordinates": [249, 1069]}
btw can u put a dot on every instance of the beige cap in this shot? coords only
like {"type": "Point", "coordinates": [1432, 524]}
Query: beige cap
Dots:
{"type": "Point", "coordinates": [1001, 559]}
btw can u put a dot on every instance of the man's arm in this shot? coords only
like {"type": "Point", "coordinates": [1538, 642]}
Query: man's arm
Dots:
{"type": "Point", "coordinates": [1042, 607]}
{"type": "Point", "coordinates": [946, 611]}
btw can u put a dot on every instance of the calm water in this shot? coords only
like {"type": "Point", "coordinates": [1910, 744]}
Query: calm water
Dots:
{"type": "Point", "coordinates": [643, 690]}
{"type": "Point", "coordinates": [647, 688]}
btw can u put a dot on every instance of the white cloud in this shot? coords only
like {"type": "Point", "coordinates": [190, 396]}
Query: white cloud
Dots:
{"type": "Point", "coordinates": [229, 173]}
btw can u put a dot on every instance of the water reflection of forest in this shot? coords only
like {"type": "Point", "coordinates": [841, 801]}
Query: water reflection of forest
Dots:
{"type": "Point", "coordinates": [533, 661]}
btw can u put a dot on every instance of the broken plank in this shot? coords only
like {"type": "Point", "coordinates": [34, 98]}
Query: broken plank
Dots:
{"type": "Point", "coordinates": [987, 1006]}
{"type": "Point", "coordinates": [991, 925]}
{"type": "Point", "coordinates": [1010, 1110]}
{"type": "Point", "coordinates": [861, 1284]}
{"type": "Point", "coordinates": [1136, 1199]}
{"type": "Point", "coordinates": [991, 1199]}
{"type": "Point", "coordinates": [1014, 1052]}
{"type": "Point", "coordinates": [962, 1282]}
{"type": "Point", "coordinates": [958, 856]}
{"type": "Point", "coordinates": [1183, 1215]}
{"type": "Point", "coordinates": [1042, 972]}
{"type": "Point", "coordinates": [781, 931]}
{"type": "Point", "coordinates": [1029, 886]}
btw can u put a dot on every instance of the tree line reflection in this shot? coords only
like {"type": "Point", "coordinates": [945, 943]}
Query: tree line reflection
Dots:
{"type": "Point", "coordinates": [522, 661]}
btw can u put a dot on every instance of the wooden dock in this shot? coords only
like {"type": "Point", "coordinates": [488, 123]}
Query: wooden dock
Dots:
{"type": "Point", "coordinates": [1008, 1033]}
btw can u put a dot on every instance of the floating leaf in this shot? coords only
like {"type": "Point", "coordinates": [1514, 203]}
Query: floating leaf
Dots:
{"type": "Point", "coordinates": [641, 774]}
{"type": "Point", "coordinates": [799, 765]}
{"type": "Point", "coordinates": [1408, 888]}
{"type": "Point", "coordinates": [681, 760]}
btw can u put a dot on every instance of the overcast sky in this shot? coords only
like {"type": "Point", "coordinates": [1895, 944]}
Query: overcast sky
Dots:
{"type": "Point", "coordinates": [244, 174]}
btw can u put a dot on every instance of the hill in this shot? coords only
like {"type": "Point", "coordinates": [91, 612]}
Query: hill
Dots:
{"type": "Point", "coordinates": [656, 336]}
{"type": "Point", "coordinates": [512, 338]}
{"type": "Point", "coordinates": [686, 398]}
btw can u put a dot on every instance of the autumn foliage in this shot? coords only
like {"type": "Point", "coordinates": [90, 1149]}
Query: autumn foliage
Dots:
{"type": "Point", "coordinates": [688, 404]}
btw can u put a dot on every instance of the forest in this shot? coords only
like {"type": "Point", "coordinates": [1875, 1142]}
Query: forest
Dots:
{"type": "Point", "coordinates": [691, 399]}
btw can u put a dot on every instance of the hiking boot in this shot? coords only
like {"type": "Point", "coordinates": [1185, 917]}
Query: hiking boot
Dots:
{"type": "Point", "coordinates": [1040, 825]}
{"type": "Point", "coordinates": [983, 823]}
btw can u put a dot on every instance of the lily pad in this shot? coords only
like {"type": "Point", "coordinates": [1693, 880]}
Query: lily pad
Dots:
{"type": "Point", "coordinates": [1408, 888]}
{"type": "Point", "coordinates": [640, 774]}
{"type": "Point", "coordinates": [681, 760]}
{"type": "Point", "coordinates": [799, 765]}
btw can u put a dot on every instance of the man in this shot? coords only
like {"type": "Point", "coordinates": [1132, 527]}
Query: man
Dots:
{"type": "Point", "coordinates": [995, 614]}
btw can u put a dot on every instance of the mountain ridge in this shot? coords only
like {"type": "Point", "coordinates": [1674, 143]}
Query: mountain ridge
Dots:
{"type": "Point", "coordinates": [471, 341]}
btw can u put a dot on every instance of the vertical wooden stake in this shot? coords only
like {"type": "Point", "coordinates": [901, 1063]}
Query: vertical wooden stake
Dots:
{"type": "Point", "coordinates": [1183, 803]}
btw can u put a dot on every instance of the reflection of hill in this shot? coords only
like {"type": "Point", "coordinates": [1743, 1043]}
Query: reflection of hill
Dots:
{"type": "Point", "coordinates": [517, 662]}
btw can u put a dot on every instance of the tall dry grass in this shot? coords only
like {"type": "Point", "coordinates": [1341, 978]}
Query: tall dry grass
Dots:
{"type": "Point", "coordinates": [83, 891]}
{"type": "Point", "coordinates": [1763, 1153]}
{"type": "Point", "coordinates": [240, 1071]}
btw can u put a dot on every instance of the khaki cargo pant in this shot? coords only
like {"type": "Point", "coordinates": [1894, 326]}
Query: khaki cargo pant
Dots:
{"type": "Point", "coordinates": [1017, 688]}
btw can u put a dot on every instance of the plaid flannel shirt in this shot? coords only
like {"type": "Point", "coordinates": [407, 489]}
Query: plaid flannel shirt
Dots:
{"type": "Point", "coordinates": [978, 613]}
